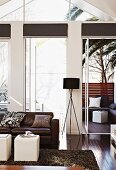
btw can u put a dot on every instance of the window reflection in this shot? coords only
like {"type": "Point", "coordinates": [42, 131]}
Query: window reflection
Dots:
{"type": "Point", "coordinates": [42, 10]}
{"type": "Point", "coordinates": [3, 76]}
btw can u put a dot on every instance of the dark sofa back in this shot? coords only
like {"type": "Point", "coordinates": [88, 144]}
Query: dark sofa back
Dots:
{"type": "Point", "coordinates": [105, 101]}
{"type": "Point", "coordinates": [30, 116]}
{"type": "Point", "coordinates": [1, 116]}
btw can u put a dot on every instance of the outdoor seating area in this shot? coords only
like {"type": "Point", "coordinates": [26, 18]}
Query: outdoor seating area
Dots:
{"type": "Point", "coordinates": [101, 98]}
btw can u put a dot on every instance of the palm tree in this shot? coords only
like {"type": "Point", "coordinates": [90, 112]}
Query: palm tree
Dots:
{"type": "Point", "coordinates": [103, 53]}
{"type": "Point", "coordinates": [73, 13]}
{"type": "Point", "coordinates": [98, 48]}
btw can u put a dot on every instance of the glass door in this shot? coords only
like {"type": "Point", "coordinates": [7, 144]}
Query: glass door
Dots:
{"type": "Point", "coordinates": [99, 62]}
{"type": "Point", "coordinates": [45, 70]}
{"type": "Point", "coordinates": [85, 85]}
{"type": "Point", "coordinates": [3, 75]}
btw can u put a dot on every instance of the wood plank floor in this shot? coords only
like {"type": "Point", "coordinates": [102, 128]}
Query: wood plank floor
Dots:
{"type": "Point", "coordinates": [99, 144]}
{"type": "Point", "coordinates": [98, 127]}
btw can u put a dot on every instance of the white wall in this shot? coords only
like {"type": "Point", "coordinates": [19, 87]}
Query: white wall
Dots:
{"type": "Point", "coordinates": [107, 6]}
{"type": "Point", "coordinates": [105, 11]}
{"type": "Point", "coordinates": [16, 69]}
{"type": "Point", "coordinates": [74, 70]}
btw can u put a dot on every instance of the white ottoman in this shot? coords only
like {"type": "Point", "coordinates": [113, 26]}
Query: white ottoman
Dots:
{"type": "Point", "coordinates": [26, 148]}
{"type": "Point", "coordinates": [5, 146]}
{"type": "Point", "coordinates": [100, 116]}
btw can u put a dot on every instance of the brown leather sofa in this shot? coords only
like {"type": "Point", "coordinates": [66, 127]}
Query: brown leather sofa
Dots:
{"type": "Point", "coordinates": [49, 137]}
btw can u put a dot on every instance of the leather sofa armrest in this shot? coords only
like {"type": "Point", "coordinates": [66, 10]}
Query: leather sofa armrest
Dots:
{"type": "Point", "coordinates": [55, 133]}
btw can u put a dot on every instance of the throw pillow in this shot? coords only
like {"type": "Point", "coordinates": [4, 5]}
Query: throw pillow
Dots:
{"type": "Point", "coordinates": [17, 119]}
{"type": "Point", "coordinates": [12, 119]}
{"type": "Point", "coordinates": [113, 106]}
{"type": "Point", "coordinates": [42, 121]}
{"type": "Point", "coordinates": [7, 116]}
{"type": "Point", "coordinates": [94, 102]}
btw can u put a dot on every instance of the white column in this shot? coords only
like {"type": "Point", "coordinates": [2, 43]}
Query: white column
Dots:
{"type": "Point", "coordinates": [33, 76]}
{"type": "Point", "coordinates": [74, 70]}
{"type": "Point", "coordinates": [16, 69]}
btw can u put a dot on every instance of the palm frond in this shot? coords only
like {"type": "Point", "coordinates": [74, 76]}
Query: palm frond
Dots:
{"type": "Point", "coordinates": [73, 13]}
{"type": "Point", "coordinates": [111, 47]}
{"type": "Point", "coordinates": [93, 19]}
{"type": "Point", "coordinates": [94, 45]}
{"type": "Point", "coordinates": [100, 43]}
{"type": "Point", "coordinates": [113, 61]}
{"type": "Point", "coordinates": [111, 75]}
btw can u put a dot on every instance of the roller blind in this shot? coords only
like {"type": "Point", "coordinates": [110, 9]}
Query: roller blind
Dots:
{"type": "Point", "coordinates": [45, 30]}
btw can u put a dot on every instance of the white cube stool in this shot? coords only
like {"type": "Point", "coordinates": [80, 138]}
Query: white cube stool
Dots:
{"type": "Point", "coordinates": [100, 116]}
{"type": "Point", "coordinates": [5, 146]}
{"type": "Point", "coordinates": [26, 148]}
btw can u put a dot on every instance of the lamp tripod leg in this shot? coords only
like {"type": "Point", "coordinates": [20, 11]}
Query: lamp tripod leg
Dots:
{"type": "Point", "coordinates": [75, 116]}
{"type": "Point", "coordinates": [66, 116]}
{"type": "Point", "coordinates": [77, 124]}
{"type": "Point", "coordinates": [70, 116]}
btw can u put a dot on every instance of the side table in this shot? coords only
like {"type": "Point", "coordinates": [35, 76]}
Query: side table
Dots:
{"type": "Point", "coordinates": [26, 148]}
{"type": "Point", "coordinates": [5, 146]}
{"type": "Point", "coordinates": [100, 116]}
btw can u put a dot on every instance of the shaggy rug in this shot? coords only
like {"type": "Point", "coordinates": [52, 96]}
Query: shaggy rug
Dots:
{"type": "Point", "coordinates": [52, 157]}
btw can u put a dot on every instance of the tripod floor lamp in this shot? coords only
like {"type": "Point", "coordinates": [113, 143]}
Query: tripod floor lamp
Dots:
{"type": "Point", "coordinates": [71, 83]}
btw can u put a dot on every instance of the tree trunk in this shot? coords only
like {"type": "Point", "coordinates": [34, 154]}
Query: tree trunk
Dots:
{"type": "Point", "coordinates": [103, 73]}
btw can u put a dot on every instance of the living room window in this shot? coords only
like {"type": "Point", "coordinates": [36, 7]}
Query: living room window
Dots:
{"type": "Point", "coordinates": [12, 11]}
{"type": "Point", "coordinates": [3, 75]}
{"type": "Point", "coordinates": [45, 70]}
{"type": "Point", "coordinates": [42, 10]}
{"type": "Point", "coordinates": [98, 64]}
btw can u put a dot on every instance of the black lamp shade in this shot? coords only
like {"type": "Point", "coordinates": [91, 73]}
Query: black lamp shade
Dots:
{"type": "Point", "coordinates": [71, 83]}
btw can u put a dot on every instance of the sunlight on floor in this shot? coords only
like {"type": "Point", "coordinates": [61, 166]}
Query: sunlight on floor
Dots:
{"type": "Point", "coordinates": [63, 142]}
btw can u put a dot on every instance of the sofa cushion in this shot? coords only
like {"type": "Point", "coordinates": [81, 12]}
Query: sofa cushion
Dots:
{"type": "Point", "coordinates": [104, 101]}
{"type": "Point", "coordinates": [21, 130]}
{"type": "Point", "coordinates": [12, 119]}
{"type": "Point", "coordinates": [17, 118]}
{"type": "Point", "coordinates": [30, 117]}
{"type": "Point", "coordinates": [42, 121]}
{"type": "Point", "coordinates": [6, 117]}
{"type": "Point", "coordinates": [112, 112]}
{"type": "Point", "coordinates": [94, 102]}
{"type": "Point", "coordinates": [5, 130]}
{"type": "Point", "coordinates": [113, 106]}
{"type": "Point", "coordinates": [1, 116]}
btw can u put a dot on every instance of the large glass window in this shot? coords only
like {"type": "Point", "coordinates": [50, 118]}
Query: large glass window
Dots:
{"type": "Point", "coordinates": [45, 70]}
{"type": "Point", "coordinates": [12, 11]}
{"type": "Point", "coordinates": [3, 75]}
{"type": "Point", "coordinates": [98, 65]}
{"type": "Point", "coordinates": [42, 10]}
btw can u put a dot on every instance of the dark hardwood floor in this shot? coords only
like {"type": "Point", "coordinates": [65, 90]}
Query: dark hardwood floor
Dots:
{"type": "Point", "coordinates": [99, 144]}
{"type": "Point", "coordinates": [98, 127]}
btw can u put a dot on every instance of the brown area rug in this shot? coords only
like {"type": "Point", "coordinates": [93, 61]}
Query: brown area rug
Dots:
{"type": "Point", "coordinates": [67, 158]}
